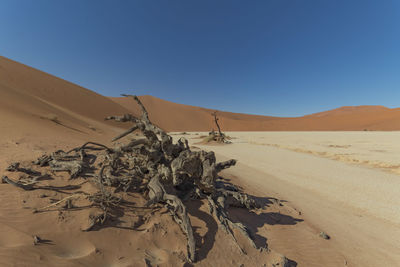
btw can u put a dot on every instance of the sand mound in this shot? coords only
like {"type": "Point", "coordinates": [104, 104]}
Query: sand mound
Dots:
{"type": "Point", "coordinates": [33, 94]}
{"type": "Point", "coordinates": [189, 118]}
{"type": "Point", "coordinates": [40, 113]}
{"type": "Point", "coordinates": [46, 90]}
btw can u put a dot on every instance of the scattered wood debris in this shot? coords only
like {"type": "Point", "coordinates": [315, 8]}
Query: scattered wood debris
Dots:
{"type": "Point", "coordinates": [164, 172]}
{"type": "Point", "coordinates": [324, 235]}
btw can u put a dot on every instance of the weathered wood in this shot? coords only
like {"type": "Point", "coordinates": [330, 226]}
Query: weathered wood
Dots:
{"type": "Point", "coordinates": [219, 137]}
{"type": "Point", "coordinates": [158, 194]}
{"type": "Point", "coordinates": [167, 173]}
{"type": "Point", "coordinates": [85, 146]}
{"type": "Point", "coordinates": [11, 182]}
{"type": "Point", "coordinates": [131, 130]}
{"type": "Point", "coordinates": [58, 202]}
{"type": "Point", "coordinates": [216, 122]}
{"type": "Point", "coordinates": [75, 168]}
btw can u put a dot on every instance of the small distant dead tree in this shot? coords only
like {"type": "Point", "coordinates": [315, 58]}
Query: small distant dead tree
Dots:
{"type": "Point", "coordinates": [216, 119]}
{"type": "Point", "coordinates": [163, 172]}
{"type": "Point", "coordinates": [219, 136]}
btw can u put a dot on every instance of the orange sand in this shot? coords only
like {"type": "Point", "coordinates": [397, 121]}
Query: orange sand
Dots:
{"type": "Point", "coordinates": [40, 113]}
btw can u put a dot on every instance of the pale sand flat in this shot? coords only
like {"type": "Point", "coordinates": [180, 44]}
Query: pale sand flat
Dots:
{"type": "Point", "coordinates": [359, 206]}
{"type": "Point", "coordinates": [345, 184]}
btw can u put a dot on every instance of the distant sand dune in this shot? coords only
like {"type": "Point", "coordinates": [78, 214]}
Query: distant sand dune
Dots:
{"type": "Point", "coordinates": [25, 90]}
{"type": "Point", "coordinates": [358, 118]}
{"type": "Point", "coordinates": [357, 206]}
{"type": "Point", "coordinates": [40, 114]}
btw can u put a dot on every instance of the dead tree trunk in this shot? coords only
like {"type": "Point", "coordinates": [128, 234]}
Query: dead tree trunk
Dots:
{"type": "Point", "coordinates": [219, 137]}
{"type": "Point", "coordinates": [155, 166]}
{"type": "Point", "coordinates": [216, 119]}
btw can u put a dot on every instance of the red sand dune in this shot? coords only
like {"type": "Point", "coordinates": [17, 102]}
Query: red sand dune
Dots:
{"type": "Point", "coordinates": [25, 91]}
{"type": "Point", "coordinates": [40, 113]}
{"type": "Point", "coordinates": [178, 117]}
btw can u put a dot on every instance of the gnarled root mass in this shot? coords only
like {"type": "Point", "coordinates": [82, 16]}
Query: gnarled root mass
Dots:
{"type": "Point", "coordinates": [167, 173]}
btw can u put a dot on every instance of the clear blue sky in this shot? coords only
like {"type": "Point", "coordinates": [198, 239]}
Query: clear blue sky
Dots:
{"type": "Point", "coordinates": [269, 57]}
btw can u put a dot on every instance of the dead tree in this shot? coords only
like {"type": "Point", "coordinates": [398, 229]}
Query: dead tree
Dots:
{"type": "Point", "coordinates": [216, 119]}
{"type": "Point", "coordinates": [219, 137]}
{"type": "Point", "coordinates": [167, 173]}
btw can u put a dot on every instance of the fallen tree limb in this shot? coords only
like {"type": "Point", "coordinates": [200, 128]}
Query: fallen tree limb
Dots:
{"type": "Point", "coordinates": [131, 130]}
{"type": "Point", "coordinates": [58, 202]}
{"type": "Point", "coordinates": [11, 182]}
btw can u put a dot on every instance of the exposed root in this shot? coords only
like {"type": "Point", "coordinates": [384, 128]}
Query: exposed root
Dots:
{"type": "Point", "coordinates": [26, 187]}
{"type": "Point", "coordinates": [177, 208]}
{"type": "Point", "coordinates": [95, 220]}
{"type": "Point", "coordinates": [217, 209]}
{"type": "Point", "coordinates": [167, 173]}
{"type": "Point", "coordinates": [68, 198]}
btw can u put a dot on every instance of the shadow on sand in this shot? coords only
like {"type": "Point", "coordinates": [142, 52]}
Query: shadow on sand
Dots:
{"type": "Point", "coordinates": [251, 219]}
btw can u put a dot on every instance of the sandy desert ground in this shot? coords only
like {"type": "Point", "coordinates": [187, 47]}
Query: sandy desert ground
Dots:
{"type": "Point", "coordinates": [159, 240]}
{"type": "Point", "coordinates": [309, 190]}
{"type": "Point", "coordinates": [343, 183]}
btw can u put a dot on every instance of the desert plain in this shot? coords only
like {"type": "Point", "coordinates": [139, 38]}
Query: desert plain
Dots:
{"type": "Point", "coordinates": [342, 183]}
{"type": "Point", "coordinates": [342, 180]}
